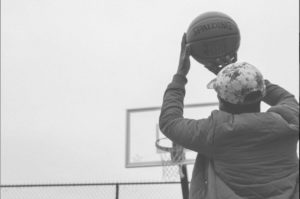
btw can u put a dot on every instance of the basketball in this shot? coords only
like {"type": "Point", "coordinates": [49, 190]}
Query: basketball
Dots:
{"type": "Point", "coordinates": [213, 35]}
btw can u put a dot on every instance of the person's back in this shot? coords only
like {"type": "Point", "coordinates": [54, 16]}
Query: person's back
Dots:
{"type": "Point", "coordinates": [255, 155]}
{"type": "Point", "coordinates": [251, 155]}
{"type": "Point", "coordinates": [244, 154]}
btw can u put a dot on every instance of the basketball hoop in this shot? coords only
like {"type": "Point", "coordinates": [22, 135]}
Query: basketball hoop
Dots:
{"type": "Point", "coordinates": [177, 154]}
{"type": "Point", "coordinates": [172, 157]}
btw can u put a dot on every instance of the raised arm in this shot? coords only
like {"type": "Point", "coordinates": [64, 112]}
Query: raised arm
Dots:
{"type": "Point", "coordinates": [276, 95]}
{"type": "Point", "coordinates": [282, 102]}
{"type": "Point", "coordinates": [189, 133]}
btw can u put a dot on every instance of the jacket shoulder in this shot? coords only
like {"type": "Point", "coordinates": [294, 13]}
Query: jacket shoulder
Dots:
{"type": "Point", "coordinates": [290, 114]}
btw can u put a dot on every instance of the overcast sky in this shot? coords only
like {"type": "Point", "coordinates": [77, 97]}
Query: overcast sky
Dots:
{"type": "Point", "coordinates": [70, 69]}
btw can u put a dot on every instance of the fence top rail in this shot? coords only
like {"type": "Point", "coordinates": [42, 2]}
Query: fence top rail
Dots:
{"type": "Point", "coordinates": [85, 184]}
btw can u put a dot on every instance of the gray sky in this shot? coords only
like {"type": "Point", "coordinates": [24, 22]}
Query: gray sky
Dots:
{"type": "Point", "coordinates": [70, 69]}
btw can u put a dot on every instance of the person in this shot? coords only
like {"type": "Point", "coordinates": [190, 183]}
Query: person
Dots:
{"type": "Point", "coordinates": [242, 153]}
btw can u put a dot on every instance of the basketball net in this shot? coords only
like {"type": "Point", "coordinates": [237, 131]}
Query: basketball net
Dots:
{"type": "Point", "coordinates": [172, 159]}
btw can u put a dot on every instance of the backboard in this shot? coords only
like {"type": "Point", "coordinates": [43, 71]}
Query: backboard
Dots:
{"type": "Point", "coordinates": [142, 131]}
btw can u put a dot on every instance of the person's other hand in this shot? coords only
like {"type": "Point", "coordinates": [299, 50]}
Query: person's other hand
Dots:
{"type": "Point", "coordinates": [219, 64]}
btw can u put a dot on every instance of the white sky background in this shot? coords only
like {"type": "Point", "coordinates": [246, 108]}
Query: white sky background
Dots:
{"type": "Point", "coordinates": [70, 69]}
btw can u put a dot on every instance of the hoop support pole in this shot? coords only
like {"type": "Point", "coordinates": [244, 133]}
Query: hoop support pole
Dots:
{"type": "Point", "coordinates": [184, 182]}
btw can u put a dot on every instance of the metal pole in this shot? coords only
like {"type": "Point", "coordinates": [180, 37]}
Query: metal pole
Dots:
{"type": "Point", "coordinates": [184, 182]}
{"type": "Point", "coordinates": [117, 190]}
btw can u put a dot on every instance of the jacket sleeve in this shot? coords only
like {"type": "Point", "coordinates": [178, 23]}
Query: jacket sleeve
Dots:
{"type": "Point", "coordinates": [189, 133]}
{"type": "Point", "coordinates": [282, 102]}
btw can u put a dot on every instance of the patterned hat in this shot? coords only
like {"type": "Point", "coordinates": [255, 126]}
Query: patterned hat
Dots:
{"type": "Point", "coordinates": [235, 81]}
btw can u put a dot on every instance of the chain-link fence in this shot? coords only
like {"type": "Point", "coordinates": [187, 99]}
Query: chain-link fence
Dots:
{"type": "Point", "coordinates": [136, 190]}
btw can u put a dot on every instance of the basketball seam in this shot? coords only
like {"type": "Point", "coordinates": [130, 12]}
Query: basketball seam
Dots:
{"type": "Point", "coordinates": [213, 37]}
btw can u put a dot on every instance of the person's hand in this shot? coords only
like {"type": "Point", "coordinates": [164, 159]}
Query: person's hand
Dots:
{"type": "Point", "coordinates": [184, 60]}
{"type": "Point", "coordinates": [219, 64]}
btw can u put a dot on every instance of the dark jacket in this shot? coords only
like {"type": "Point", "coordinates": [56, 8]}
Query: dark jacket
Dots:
{"type": "Point", "coordinates": [240, 156]}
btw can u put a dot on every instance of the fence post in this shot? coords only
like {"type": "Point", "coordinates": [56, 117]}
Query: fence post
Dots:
{"type": "Point", "coordinates": [117, 190]}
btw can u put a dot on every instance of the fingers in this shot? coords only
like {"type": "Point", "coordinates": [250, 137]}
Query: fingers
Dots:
{"type": "Point", "coordinates": [185, 48]}
{"type": "Point", "coordinates": [224, 61]}
{"type": "Point", "coordinates": [228, 59]}
{"type": "Point", "coordinates": [234, 59]}
{"type": "Point", "coordinates": [219, 61]}
{"type": "Point", "coordinates": [183, 41]}
{"type": "Point", "coordinates": [188, 50]}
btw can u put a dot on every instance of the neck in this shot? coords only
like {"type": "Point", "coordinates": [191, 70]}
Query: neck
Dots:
{"type": "Point", "coordinates": [238, 109]}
